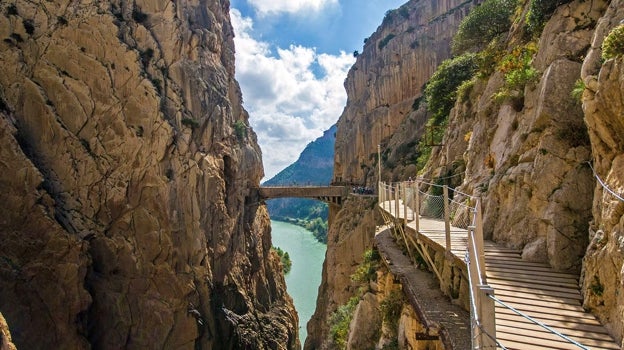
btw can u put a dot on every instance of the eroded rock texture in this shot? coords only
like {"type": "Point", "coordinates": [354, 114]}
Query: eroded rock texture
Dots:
{"type": "Point", "coordinates": [603, 103]}
{"type": "Point", "coordinates": [387, 79]}
{"type": "Point", "coordinates": [126, 157]}
{"type": "Point", "coordinates": [382, 87]}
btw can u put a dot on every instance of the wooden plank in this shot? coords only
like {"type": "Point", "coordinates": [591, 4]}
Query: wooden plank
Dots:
{"type": "Point", "coordinates": [526, 267]}
{"type": "Point", "coordinates": [537, 311]}
{"type": "Point", "coordinates": [523, 298]}
{"type": "Point", "coordinates": [552, 341]}
{"type": "Point", "coordinates": [541, 299]}
{"type": "Point", "coordinates": [510, 276]}
{"type": "Point", "coordinates": [531, 272]}
{"type": "Point", "coordinates": [542, 290]}
{"type": "Point", "coordinates": [518, 274]}
{"type": "Point", "coordinates": [579, 328]}
{"type": "Point", "coordinates": [533, 284]}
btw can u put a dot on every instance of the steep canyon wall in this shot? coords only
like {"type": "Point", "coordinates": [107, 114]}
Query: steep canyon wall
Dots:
{"type": "Point", "coordinates": [534, 155]}
{"type": "Point", "coordinates": [126, 157]}
{"type": "Point", "coordinates": [382, 87]}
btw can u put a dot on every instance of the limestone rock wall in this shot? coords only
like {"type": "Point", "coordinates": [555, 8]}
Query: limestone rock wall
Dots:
{"type": "Point", "coordinates": [382, 87]}
{"type": "Point", "coordinates": [528, 158]}
{"type": "Point", "coordinates": [5, 335]}
{"type": "Point", "coordinates": [351, 233]}
{"type": "Point", "coordinates": [123, 183]}
{"type": "Point", "coordinates": [603, 103]}
{"type": "Point", "coordinates": [388, 76]}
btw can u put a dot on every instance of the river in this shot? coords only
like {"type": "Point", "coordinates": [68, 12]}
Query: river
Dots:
{"type": "Point", "coordinates": [304, 278]}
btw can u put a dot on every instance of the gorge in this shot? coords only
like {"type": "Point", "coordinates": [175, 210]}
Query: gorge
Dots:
{"type": "Point", "coordinates": [127, 164]}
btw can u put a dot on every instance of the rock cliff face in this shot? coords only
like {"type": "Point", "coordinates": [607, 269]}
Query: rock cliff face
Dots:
{"type": "Point", "coordinates": [349, 236]}
{"type": "Point", "coordinates": [388, 76]}
{"type": "Point", "coordinates": [382, 87]}
{"type": "Point", "coordinates": [529, 157]}
{"type": "Point", "coordinates": [5, 336]}
{"type": "Point", "coordinates": [603, 264]}
{"type": "Point", "coordinates": [126, 157]}
{"type": "Point", "coordinates": [533, 155]}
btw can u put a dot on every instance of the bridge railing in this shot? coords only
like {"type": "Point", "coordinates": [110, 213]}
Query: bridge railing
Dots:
{"type": "Point", "coordinates": [413, 200]}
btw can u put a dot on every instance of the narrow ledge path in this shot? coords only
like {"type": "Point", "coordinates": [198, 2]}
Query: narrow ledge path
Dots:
{"type": "Point", "coordinates": [435, 310]}
{"type": "Point", "coordinates": [549, 296]}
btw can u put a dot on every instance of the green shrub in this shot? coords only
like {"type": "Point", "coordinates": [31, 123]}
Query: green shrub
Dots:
{"type": "Point", "coordinates": [518, 70]}
{"type": "Point", "coordinates": [577, 91]}
{"type": "Point", "coordinates": [483, 23]}
{"type": "Point", "coordinates": [368, 268]}
{"type": "Point", "coordinates": [441, 90]}
{"type": "Point", "coordinates": [404, 12]}
{"type": "Point", "coordinates": [539, 12]}
{"type": "Point", "coordinates": [240, 130]}
{"type": "Point", "coordinates": [391, 308]}
{"type": "Point", "coordinates": [339, 322]}
{"type": "Point", "coordinates": [596, 286]}
{"type": "Point", "coordinates": [383, 42]}
{"type": "Point", "coordinates": [613, 44]}
{"type": "Point", "coordinates": [284, 258]}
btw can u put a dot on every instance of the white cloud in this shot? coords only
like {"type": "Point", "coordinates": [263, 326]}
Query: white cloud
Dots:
{"type": "Point", "coordinates": [289, 105]}
{"type": "Point", "coordinates": [264, 7]}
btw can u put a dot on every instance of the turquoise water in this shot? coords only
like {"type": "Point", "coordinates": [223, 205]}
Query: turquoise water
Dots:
{"type": "Point", "coordinates": [304, 278]}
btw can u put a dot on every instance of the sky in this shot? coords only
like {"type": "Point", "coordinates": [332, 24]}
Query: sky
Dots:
{"type": "Point", "coordinates": [292, 57]}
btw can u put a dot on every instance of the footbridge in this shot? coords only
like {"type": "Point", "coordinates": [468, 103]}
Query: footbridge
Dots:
{"type": "Point", "coordinates": [329, 194]}
{"type": "Point", "coordinates": [514, 304]}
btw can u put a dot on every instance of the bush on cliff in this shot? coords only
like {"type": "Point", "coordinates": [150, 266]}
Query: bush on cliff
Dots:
{"type": "Point", "coordinates": [483, 23]}
{"type": "Point", "coordinates": [613, 45]}
{"type": "Point", "coordinates": [441, 90]}
{"type": "Point", "coordinates": [539, 12]}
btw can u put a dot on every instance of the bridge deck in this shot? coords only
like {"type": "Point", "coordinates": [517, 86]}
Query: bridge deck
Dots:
{"type": "Point", "coordinates": [549, 296]}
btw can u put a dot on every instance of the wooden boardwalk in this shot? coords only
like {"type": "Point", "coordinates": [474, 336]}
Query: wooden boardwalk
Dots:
{"type": "Point", "coordinates": [535, 289]}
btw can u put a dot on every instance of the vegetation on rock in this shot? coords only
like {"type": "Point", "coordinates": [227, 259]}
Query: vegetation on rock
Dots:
{"type": "Point", "coordinates": [441, 90]}
{"type": "Point", "coordinates": [284, 258]}
{"type": "Point", "coordinates": [391, 310]}
{"type": "Point", "coordinates": [539, 12]}
{"type": "Point", "coordinates": [483, 23]}
{"type": "Point", "coordinates": [341, 318]}
{"type": "Point", "coordinates": [613, 45]}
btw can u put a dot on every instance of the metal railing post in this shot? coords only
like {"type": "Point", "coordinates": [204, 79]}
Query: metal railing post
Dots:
{"type": "Point", "coordinates": [480, 254]}
{"type": "Point", "coordinates": [447, 223]}
{"type": "Point", "coordinates": [389, 197]}
{"type": "Point", "coordinates": [404, 185]}
{"type": "Point", "coordinates": [417, 208]}
{"type": "Point", "coordinates": [397, 188]}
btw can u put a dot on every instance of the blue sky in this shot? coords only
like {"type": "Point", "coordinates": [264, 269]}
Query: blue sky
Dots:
{"type": "Point", "coordinates": [292, 57]}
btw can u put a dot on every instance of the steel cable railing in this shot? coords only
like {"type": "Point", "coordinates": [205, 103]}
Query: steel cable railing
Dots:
{"type": "Point", "coordinates": [543, 325]}
{"type": "Point", "coordinates": [462, 211]}
{"type": "Point", "coordinates": [603, 184]}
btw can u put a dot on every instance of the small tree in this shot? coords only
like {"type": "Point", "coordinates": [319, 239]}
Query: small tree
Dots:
{"type": "Point", "coordinates": [483, 23]}
{"type": "Point", "coordinates": [240, 130]}
{"type": "Point", "coordinates": [441, 90]}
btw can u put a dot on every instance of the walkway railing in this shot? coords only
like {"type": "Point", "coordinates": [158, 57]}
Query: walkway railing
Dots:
{"type": "Point", "coordinates": [462, 214]}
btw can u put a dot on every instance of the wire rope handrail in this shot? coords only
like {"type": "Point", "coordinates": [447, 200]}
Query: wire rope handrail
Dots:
{"type": "Point", "coordinates": [463, 213]}
{"type": "Point", "coordinates": [603, 184]}
{"type": "Point", "coordinates": [541, 324]}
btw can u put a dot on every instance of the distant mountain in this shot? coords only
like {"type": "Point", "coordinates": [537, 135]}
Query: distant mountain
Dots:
{"type": "Point", "coordinates": [315, 166]}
